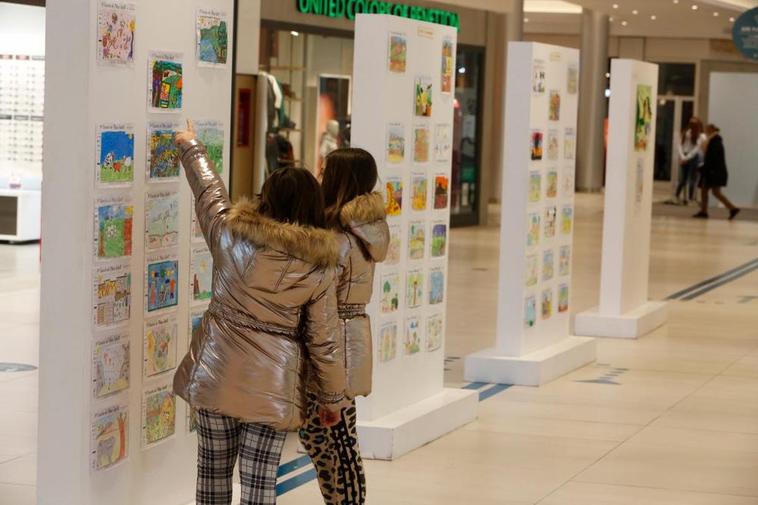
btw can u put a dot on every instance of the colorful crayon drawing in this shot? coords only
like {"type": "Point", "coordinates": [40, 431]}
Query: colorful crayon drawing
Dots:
{"type": "Point", "coordinates": [553, 145]}
{"type": "Point", "coordinates": [390, 293]}
{"type": "Point", "coordinates": [395, 143]}
{"type": "Point", "coordinates": [116, 156]}
{"type": "Point", "coordinates": [161, 220]}
{"type": "Point", "coordinates": [533, 230]}
{"type": "Point", "coordinates": [530, 312]}
{"type": "Point", "coordinates": [564, 262]}
{"type": "Point", "coordinates": [416, 240]}
{"type": "Point", "coordinates": [166, 84]}
{"type": "Point", "coordinates": [423, 96]}
{"type": "Point", "coordinates": [159, 421]}
{"type": "Point", "coordinates": [448, 64]}
{"type": "Point", "coordinates": [212, 38]}
{"type": "Point", "coordinates": [532, 270]}
{"type": "Point", "coordinates": [113, 297]}
{"type": "Point", "coordinates": [535, 186]}
{"type": "Point", "coordinates": [643, 122]}
{"type": "Point", "coordinates": [414, 289]}
{"type": "Point", "coordinates": [441, 192]}
{"type": "Point", "coordinates": [554, 113]}
{"type": "Point", "coordinates": [110, 430]}
{"type": "Point", "coordinates": [569, 144]}
{"type": "Point", "coordinates": [538, 77]}
{"type": "Point", "coordinates": [394, 189]}
{"type": "Point", "coordinates": [434, 330]}
{"type": "Point", "coordinates": [563, 298]}
{"type": "Point", "coordinates": [114, 230]}
{"type": "Point", "coordinates": [162, 154]}
{"type": "Point", "coordinates": [412, 343]}
{"type": "Point", "coordinates": [196, 319]}
{"type": "Point", "coordinates": [211, 134]}
{"type": "Point", "coordinates": [436, 286]}
{"type": "Point", "coordinates": [111, 365]}
{"type": "Point", "coordinates": [162, 284]}
{"type": "Point", "coordinates": [395, 246]}
{"type": "Point", "coordinates": [116, 26]}
{"type": "Point", "coordinates": [387, 342]}
{"type": "Point", "coordinates": [202, 274]}
{"type": "Point", "coordinates": [536, 145]}
{"type": "Point", "coordinates": [567, 219]}
{"type": "Point", "coordinates": [398, 52]}
{"type": "Point", "coordinates": [443, 142]}
{"type": "Point", "coordinates": [572, 79]}
{"type": "Point", "coordinates": [421, 144]}
{"type": "Point", "coordinates": [419, 192]}
{"type": "Point", "coordinates": [551, 216]}
{"type": "Point", "coordinates": [548, 265]}
{"type": "Point", "coordinates": [160, 346]}
{"type": "Point", "coordinates": [547, 303]}
{"type": "Point", "coordinates": [439, 240]}
{"type": "Point", "coordinates": [551, 187]}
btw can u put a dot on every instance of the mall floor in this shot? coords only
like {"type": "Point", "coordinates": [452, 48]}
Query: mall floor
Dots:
{"type": "Point", "coordinates": [669, 419]}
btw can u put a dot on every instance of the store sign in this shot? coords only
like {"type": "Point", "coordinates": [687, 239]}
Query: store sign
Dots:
{"type": "Point", "coordinates": [350, 8]}
{"type": "Point", "coordinates": [745, 33]}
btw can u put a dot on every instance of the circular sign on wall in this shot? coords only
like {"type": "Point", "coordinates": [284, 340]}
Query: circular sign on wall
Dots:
{"type": "Point", "coordinates": [745, 33]}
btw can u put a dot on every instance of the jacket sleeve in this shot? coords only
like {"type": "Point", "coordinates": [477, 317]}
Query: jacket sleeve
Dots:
{"type": "Point", "coordinates": [325, 353]}
{"type": "Point", "coordinates": [212, 201]}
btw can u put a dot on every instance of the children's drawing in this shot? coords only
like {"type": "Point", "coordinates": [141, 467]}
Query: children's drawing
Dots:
{"type": "Point", "coordinates": [643, 122]}
{"type": "Point", "coordinates": [423, 96]}
{"type": "Point", "coordinates": [112, 295]}
{"type": "Point", "coordinates": [212, 38]}
{"type": "Point", "coordinates": [412, 343]}
{"type": "Point", "coordinates": [387, 342]}
{"type": "Point", "coordinates": [567, 219]}
{"type": "Point", "coordinates": [196, 319]}
{"type": "Point", "coordinates": [398, 52]}
{"type": "Point", "coordinates": [162, 284]}
{"type": "Point", "coordinates": [533, 230]}
{"type": "Point", "coordinates": [436, 286]}
{"type": "Point", "coordinates": [538, 76]}
{"type": "Point", "coordinates": [416, 240]}
{"type": "Point", "coordinates": [201, 274]}
{"type": "Point", "coordinates": [639, 184]}
{"type": "Point", "coordinates": [564, 264]}
{"type": "Point", "coordinates": [162, 153]}
{"type": "Point", "coordinates": [443, 142]}
{"type": "Point", "coordinates": [211, 134]}
{"type": "Point", "coordinates": [434, 331]}
{"type": "Point", "coordinates": [553, 145]}
{"type": "Point", "coordinates": [448, 65]}
{"type": "Point", "coordinates": [165, 73]}
{"type": "Point", "coordinates": [114, 222]}
{"type": "Point", "coordinates": [441, 191]}
{"type": "Point", "coordinates": [115, 155]}
{"type": "Point", "coordinates": [554, 113]}
{"type": "Point", "coordinates": [116, 26]}
{"type": "Point", "coordinates": [535, 145]}
{"type": "Point", "coordinates": [158, 415]}
{"type": "Point", "coordinates": [109, 437]}
{"type": "Point", "coordinates": [551, 216]}
{"type": "Point", "coordinates": [532, 270]}
{"type": "Point", "coordinates": [569, 144]}
{"type": "Point", "coordinates": [530, 312]}
{"type": "Point", "coordinates": [439, 240]}
{"type": "Point", "coordinates": [159, 345]}
{"type": "Point", "coordinates": [572, 79]}
{"type": "Point", "coordinates": [110, 364]}
{"type": "Point", "coordinates": [394, 193]}
{"type": "Point", "coordinates": [563, 298]}
{"type": "Point", "coordinates": [161, 220]}
{"type": "Point", "coordinates": [551, 184]}
{"type": "Point", "coordinates": [395, 246]}
{"type": "Point", "coordinates": [535, 186]}
{"type": "Point", "coordinates": [421, 144]}
{"type": "Point", "coordinates": [567, 184]}
{"type": "Point", "coordinates": [390, 292]}
{"type": "Point", "coordinates": [548, 265]}
{"type": "Point", "coordinates": [547, 303]}
{"type": "Point", "coordinates": [414, 289]}
{"type": "Point", "coordinates": [395, 143]}
{"type": "Point", "coordinates": [419, 192]}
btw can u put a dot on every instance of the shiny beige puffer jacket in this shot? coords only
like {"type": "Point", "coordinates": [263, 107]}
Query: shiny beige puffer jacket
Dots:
{"type": "Point", "coordinates": [363, 241]}
{"type": "Point", "coordinates": [272, 315]}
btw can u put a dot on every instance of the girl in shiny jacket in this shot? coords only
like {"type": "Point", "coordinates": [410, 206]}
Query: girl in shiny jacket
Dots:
{"type": "Point", "coordinates": [358, 218]}
{"type": "Point", "coordinates": [273, 314]}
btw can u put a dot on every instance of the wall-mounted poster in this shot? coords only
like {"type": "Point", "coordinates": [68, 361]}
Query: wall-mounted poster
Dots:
{"type": "Point", "coordinates": [211, 134]}
{"type": "Point", "coordinates": [165, 82]}
{"type": "Point", "coordinates": [547, 303]}
{"type": "Point", "coordinates": [162, 153]}
{"type": "Point", "coordinates": [115, 155]}
{"type": "Point", "coordinates": [551, 216]}
{"type": "Point", "coordinates": [162, 283]}
{"type": "Point", "coordinates": [394, 190]}
{"type": "Point", "coordinates": [434, 327]}
{"type": "Point", "coordinates": [395, 246]}
{"type": "Point", "coordinates": [395, 142]}
{"type": "Point", "coordinates": [548, 265]}
{"type": "Point", "coordinates": [212, 38]}
{"type": "Point", "coordinates": [116, 27]}
{"type": "Point", "coordinates": [563, 298]}
{"type": "Point", "coordinates": [554, 113]}
{"type": "Point", "coordinates": [114, 223]}
{"type": "Point", "coordinates": [564, 265]}
{"type": "Point", "coordinates": [161, 220]}
{"type": "Point", "coordinates": [643, 121]}
{"type": "Point", "coordinates": [158, 415]}
{"type": "Point", "coordinates": [567, 219]}
{"type": "Point", "coordinates": [569, 144]}
{"type": "Point", "coordinates": [443, 142]}
{"type": "Point", "coordinates": [398, 52]}
{"type": "Point", "coordinates": [414, 289]}
{"type": "Point", "coordinates": [419, 191]}
{"type": "Point", "coordinates": [387, 342]}
{"type": "Point", "coordinates": [538, 76]}
{"type": "Point", "coordinates": [441, 191]}
{"type": "Point", "coordinates": [423, 94]}
{"type": "Point", "coordinates": [390, 292]}
{"type": "Point", "coordinates": [412, 343]}
{"type": "Point", "coordinates": [421, 143]}
{"type": "Point", "coordinates": [535, 144]}
{"type": "Point", "coordinates": [572, 79]}
{"type": "Point", "coordinates": [109, 443]}
{"type": "Point", "coordinates": [448, 65]}
{"type": "Point", "coordinates": [533, 229]}
{"type": "Point", "coordinates": [201, 274]}
{"type": "Point", "coordinates": [112, 295]}
{"type": "Point", "coordinates": [532, 270]}
{"type": "Point", "coordinates": [416, 240]}
{"type": "Point", "coordinates": [535, 186]}
{"type": "Point", "coordinates": [551, 185]}
{"type": "Point", "coordinates": [436, 286]}
{"type": "Point", "coordinates": [439, 240]}
{"type": "Point", "coordinates": [530, 312]}
{"type": "Point", "coordinates": [159, 345]}
{"type": "Point", "coordinates": [553, 147]}
{"type": "Point", "coordinates": [110, 364]}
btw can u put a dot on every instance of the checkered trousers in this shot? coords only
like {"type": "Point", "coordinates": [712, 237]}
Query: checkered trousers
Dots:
{"type": "Point", "coordinates": [221, 440]}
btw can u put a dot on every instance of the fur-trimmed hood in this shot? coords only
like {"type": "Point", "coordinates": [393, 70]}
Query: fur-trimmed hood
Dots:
{"type": "Point", "coordinates": [312, 245]}
{"type": "Point", "coordinates": [366, 218]}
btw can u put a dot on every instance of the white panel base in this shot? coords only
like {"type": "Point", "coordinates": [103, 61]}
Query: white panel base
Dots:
{"type": "Point", "coordinates": [533, 369]}
{"type": "Point", "coordinates": [633, 324]}
{"type": "Point", "coordinates": [403, 431]}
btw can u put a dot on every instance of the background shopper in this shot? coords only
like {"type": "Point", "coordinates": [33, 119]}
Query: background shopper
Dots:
{"type": "Point", "coordinates": [273, 304]}
{"type": "Point", "coordinates": [358, 218]}
{"type": "Point", "coordinates": [715, 175]}
{"type": "Point", "coordinates": [691, 156]}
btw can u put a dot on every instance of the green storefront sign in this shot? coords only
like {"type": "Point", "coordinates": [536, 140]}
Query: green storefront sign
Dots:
{"type": "Point", "coordinates": [350, 8]}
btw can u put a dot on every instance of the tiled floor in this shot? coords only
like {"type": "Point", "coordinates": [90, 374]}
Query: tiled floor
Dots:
{"type": "Point", "coordinates": [676, 423]}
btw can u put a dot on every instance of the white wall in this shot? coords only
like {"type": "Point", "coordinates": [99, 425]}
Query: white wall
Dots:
{"type": "Point", "coordinates": [733, 107]}
{"type": "Point", "coordinates": [249, 36]}
{"type": "Point", "coordinates": [22, 29]}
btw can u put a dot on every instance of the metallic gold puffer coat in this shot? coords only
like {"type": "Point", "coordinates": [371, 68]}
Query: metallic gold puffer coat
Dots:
{"type": "Point", "coordinates": [363, 242]}
{"type": "Point", "coordinates": [272, 315]}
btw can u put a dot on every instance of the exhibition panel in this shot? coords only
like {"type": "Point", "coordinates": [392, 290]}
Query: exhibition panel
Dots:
{"type": "Point", "coordinates": [123, 266]}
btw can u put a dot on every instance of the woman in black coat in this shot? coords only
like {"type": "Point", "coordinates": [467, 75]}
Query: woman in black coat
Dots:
{"type": "Point", "coordinates": [715, 175]}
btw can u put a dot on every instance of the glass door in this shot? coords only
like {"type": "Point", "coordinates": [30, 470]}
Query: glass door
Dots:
{"type": "Point", "coordinates": [673, 115]}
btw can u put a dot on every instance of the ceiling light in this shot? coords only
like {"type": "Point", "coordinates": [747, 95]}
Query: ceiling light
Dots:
{"type": "Point", "coordinates": [526, 20]}
{"type": "Point", "coordinates": [607, 93]}
{"type": "Point", "coordinates": [294, 33]}
{"type": "Point", "coordinates": [695, 7]}
{"type": "Point", "coordinates": [610, 19]}
{"type": "Point", "coordinates": [624, 23]}
{"type": "Point", "coordinates": [715, 14]}
{"type": "Point", "coordinates": [635, 12]}
{"type": "Point", "coordinates": [615, 6]}
{"type": "Point", "coordinates": [676, 1]}
{"type": "Point", "coordinates": [462, 70]}
{"type": "Point", "coordinates": [731, 20]}
{"type": "Point", "coordinates": [653, 17]}
{"type": "Point", "coordinates": [607, 75]}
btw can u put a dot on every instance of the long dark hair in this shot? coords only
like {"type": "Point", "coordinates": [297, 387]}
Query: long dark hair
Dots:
{"type": "Point", "coordinates": [695, 127]}
{"type": "Point", "coordinates": [293, 195]}
{"type": "Point", "coordinates": [349, 173]}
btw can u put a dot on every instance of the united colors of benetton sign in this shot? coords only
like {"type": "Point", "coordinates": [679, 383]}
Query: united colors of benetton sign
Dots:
{"type": "Point", "coordinates": [350, 8]}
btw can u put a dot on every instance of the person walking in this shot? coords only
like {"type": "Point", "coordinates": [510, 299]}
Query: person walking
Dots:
{"type": "Point", "coordinates": [358, 219]}
{"type": "Point", "coordinates": [272, 315]}
{"type": "Point", "coordinates": [715, 175]}
{"type": "Point", "coordinates": [691, 156]}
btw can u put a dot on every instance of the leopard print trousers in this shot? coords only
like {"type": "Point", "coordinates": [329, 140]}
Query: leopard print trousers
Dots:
{"type": "Point", "coordinates": [336, 456]}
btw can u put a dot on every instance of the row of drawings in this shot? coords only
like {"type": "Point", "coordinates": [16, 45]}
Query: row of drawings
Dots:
{"type": "Point", "coordinates": [538, 146]}
{"type": "Point", "coordinates": [397, 62]}
{"type": "Point", "coordinates": [548, 265]}
{"type": "Point", "coordinates": [116, 151]}
{"type": "Point", "coordinates": [418, 238]}
{"type": "Point", "coordinates": [117, 35]}
{"type": "Point", "coordinates": [547, 306]}
{"type": "Point", "coordinates": [422, 143]}
{"type": "Point", "coordinates": [547, 184]}
{"type": "Point", "coordinates": [538, 227]}
{"type": "Point", "coordinates": [539, 80]}
{"type": "Point", "coordinates": [415, 295]}
{"type": "Point", "coordinates": [420, 193]}
{"type": "Point", "coordinates": [419, 334]}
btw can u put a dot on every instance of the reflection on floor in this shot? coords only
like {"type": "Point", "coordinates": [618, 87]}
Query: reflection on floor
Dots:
{"type": "Point", "coordinates": [669, 419]}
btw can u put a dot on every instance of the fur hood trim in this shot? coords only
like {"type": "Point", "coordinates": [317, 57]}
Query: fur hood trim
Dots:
{"type": "Point", "coordinates": [313, 245]}
{"type": "Point", "coordinates": [363, 209]}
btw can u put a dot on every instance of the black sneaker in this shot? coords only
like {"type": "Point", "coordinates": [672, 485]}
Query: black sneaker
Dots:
{"type": "Point", "coordinates": [733, 213]}
{"type": "Point", "coordinates": [701, 215]}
